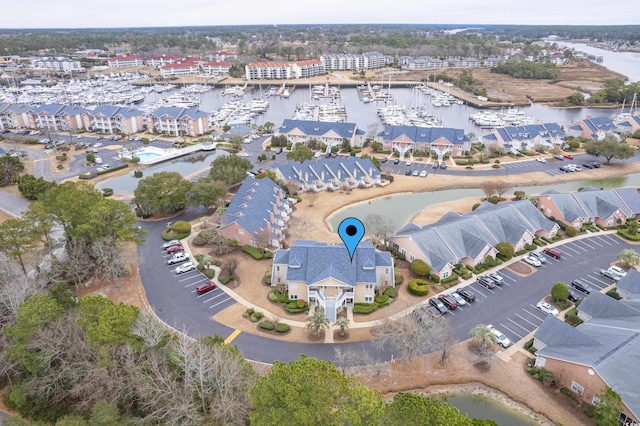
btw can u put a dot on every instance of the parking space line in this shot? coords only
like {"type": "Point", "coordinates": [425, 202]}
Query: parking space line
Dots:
{"type": "Point", "coordinates": [585, 243]}
{"type": "Point", "coordinates": [599, 286]}
{"type": "Point", "coordinates": [524, 319]}
{"type": "Point", "coordinates": [220, 293]}
{"type": "Point", "coordinates": [597, 278]}
{"type": "Point", "coordinates": [575, 251]}
{"type": "Point", "coordinates": [197, 282]}
{"type": "Point", "coordinates": [220, 303]}
{"type": "Point", "coordinates": [604, 240]}
{"type": "Point", "coordinates": [536, 310]}
{"type": "Point", "coordinates": [564, 253]}
{"type": "Point", "coordinates": [189, 277]}
{"type": "Point", "coordinates": [508, 329]}
{"type": "Point", "coordinates": [613, 239]}
{"type": "Point", "coordinates": [528, 331]}
{"type": "Point", "coordinates": [593, 241]}
{"type": "Point", "coordinates": [509, 277]}
{"type": "Point", "coordinates": [479, 292]}
{"type": "Point", "coordinates": [232, 336]}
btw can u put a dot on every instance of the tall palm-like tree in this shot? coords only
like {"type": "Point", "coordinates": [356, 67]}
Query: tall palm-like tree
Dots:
{"type": "Point", "coordinates": [342, 323]}
{"type": "Point", "coordinates": [317, 321]}
{"type": "Point", "coordinates": [482, 336]}
{"type": "Point", "coordinates": [629, 258]}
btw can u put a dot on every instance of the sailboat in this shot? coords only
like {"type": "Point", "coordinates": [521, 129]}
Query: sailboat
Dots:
{"type": "Point", "coordinates": [626, 115]}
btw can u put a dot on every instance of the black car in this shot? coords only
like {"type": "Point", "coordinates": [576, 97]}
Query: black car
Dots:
{"type": "Point", "coordinates": [573, 296]}
{"type": "Point", "coordinates": [407, 172]}
{"type": "Point", "coordinates": [595, 164]}
{"type": "Point", "coordinates": [581, 286]}
{"type": "Point", "coordinates": [396, 161]}
{"type": "Point", "coordinates": [486, 282]}
{"type": "Point", "coordinates": [438, 305]}
{"type": "Point", "coordinates": [384, 160]}
{"type": "Point", "coordinates": [559, 157]}
{"type": "Point", "coordinates": [443, 165]}
{"type": "Point", "coordinates": [467, 294]}
{"type": "Point", "coordinates": [587, 165]}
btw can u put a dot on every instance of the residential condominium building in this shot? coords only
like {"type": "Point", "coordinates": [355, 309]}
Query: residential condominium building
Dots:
{"type": "Point", "coordinates": [591, 128]}
{"type": "Point", "coordinates": [310, 68]}
{"type": "Point", "coordinates": [268, 70]}
{"type": "Point", "coordinates": [423, 63]}
{"type": "Point", "coordinates": [470, 238]}
{"type": "Point", "coordinates": [57, 117]}
{"type": "Point", "coordinates": [437, 140]}
{"type": "Point", "coordinates": [216, 68]}
{"type": "Point", "coordinates": [188, 67]}
{"type": "Point", "coordinates": [515, 138]}
{"type": "Point", "coordinates": [328, 133]}
{"type": "Point", "coordinates": [160, 60]}
{"type": "Point", "coordinates": [258, 214]}
{"type": "Point", "coordinates": [603, 207]}
{"type": "Point", "coordinates": [175, 121]}
{"type": "Point", "coordinates": [323, 174]}
{"type": "Point", "coordinates": [116, 119]}
{"type": "Point", "coordinates": [348, 61]}
{"type": "Point", "coordinates": [16, 116]}
{"type": "Point", "coordinates": [58, 64]}
{"type": "Point", "coordinates": [326, 277]}
{"type": "Point", "coordinates": [599, 353]}
{"type": "Point", "coordinates": [124, 61]}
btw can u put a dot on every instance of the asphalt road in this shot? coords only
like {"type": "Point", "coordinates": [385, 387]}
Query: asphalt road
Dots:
{"type": "Point", "coordinates": [13, 204]}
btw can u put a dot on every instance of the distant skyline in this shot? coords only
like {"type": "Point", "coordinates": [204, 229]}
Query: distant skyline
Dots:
{"type": "Point", "coordinates": [163, 13]}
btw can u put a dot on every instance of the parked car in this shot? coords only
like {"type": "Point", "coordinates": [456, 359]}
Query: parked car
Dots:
{"type": "Point", "coordinates": [396, 161]}
{"type": "Point", "coordinates": [448, 301]}
{"type": "Point", "coordinates": [443, 165]}
{"type": "Point", "coordinates": [334, 155]}
{"type": "Point", "coordinates": [204, 288]}
{"type": "Point", "coordinates": [435, 165]}
{"type": "Point", "coordinates": [617, 271]}
{"type": "Point", "coordinates": [384, 160]}
{"type": "Point", "coordinates": [541, 160]}
{"type": "Point", "coordinates": [486, 282]}
{"type": "Point", "coordinates": [174, 249]}
{"type": "Point", "coordinates": [587, 165]}
{"type": "Point", "coordinates": [467, 294]}
{"type": "Point", "coordinates": [415, 173]}
{"type": "Point", "coordinates": [423, 173]}
{"type": "Point", "coordinates": [436, 303]}
{"type": "Point", "coordinates": [496, 278]}
{"type": "Point", "coordinates": [555, 253]}
{"type": "Point", "coordinates": [185, 267]}
{"type": "Point", "coordinates": [559, 157]}
{"type": "Point", "coordinates": [569, 156]}
{"type": "Point", "coordinates": [409, 163]}
{"type": "Point", "coordinates": [595, 164]}
{"type": "Point", "coordinates": [178, 257]}
{"type": "Point", "coordinates": [421, 313]}
{"type": "Point", "coordinates": [501, 339]}
{"type": "Point", "coordinates": [170, 244]}
{"type": "Point", "coordinates": [459, 299]}
{"type": "Point", "coordinates": [279, 151]}
{"type": "Point", "coordinates": [538, 256]}
{"type": "Point", "coordinates": [547, 308]}
{"type": "Point", "coordinates": [581, 286]}
{"type": "Point", "coordinates": [573, 296]}
{"type": "Point", "coordinates": [608, 274]}
{"type": "Point", "coordinates": [532, 261]}
{"type": "Point", "coordinates": [407, 172]}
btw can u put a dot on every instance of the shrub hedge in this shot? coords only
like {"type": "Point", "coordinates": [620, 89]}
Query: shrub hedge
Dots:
{"type": "Point", "coordinates": [266, 325]}
{"type": "Point", "coordinates": [107, 192]}
{"type": "Point", "coordinates": [450, 279]}
{"type": "Point", "coordinates": [181, 227]}
{"type": "Point", "coordinates": [252, 251]}
{"type": "Point", "coordinates": [571, 317]}
{"type": "Point", "coordinates": [210, 273]}
{"type": "Point", "coordinates": [364, 308]}
{"type": "Point", "coordinates": [256, 316]}
{"type": "Point", "coordinates": [613, 293]}
{"type": "Point", "coordinates": [113, 169]}
{"type": "Point", "coordinates": [248, 312]}
{"type": "Point", "coordinates": [391, 292]}
{"type": "Point", "coordinates": [268, 255]}
{"type": "Point", "coordinates": [167, 235]}
{"type": "Point", "coordinates": [224, 279]}
{"type": "Point", "coordinates": [418, 287]}
{"type": "Point", "coordinates": [199, 241]}
{"type": "Point", "coordinates": [282, 327]}
{"type": "Point", "coordinates": [383, 300]}
{"type": "Point", "coordinates": [626, 234]}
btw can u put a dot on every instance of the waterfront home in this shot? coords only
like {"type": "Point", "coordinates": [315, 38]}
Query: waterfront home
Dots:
{"type": "Point", "coordinates": [601, 352]}
{"type": "Point", "coordinates": [324, 276]}
{"type": "Point", "coordinates": [57, 117]}
{"type": "Point", "coordinates": [222, 56]}
{"type": "Point", "coordinates": [116, 119]}
{"type": "Point", "coordinates": [176, 121]}
{"type": "Point", "coordinates": [424, 63]}
{"type": "Point", "coordinates": [322, 173]}
{"type": "Point", "coordinates": [328, 133]}
{"type": "Point", "coordinates": [123, 61]}
{"type": "Point", "coordinates": [515, 138]}
{"type": "Point", "coordinates": [268, 70]}
{"type": "Point", "coordinates": [309, 68]}
{"type": "Point", "coordinates": [21, 116]}
{"type": "Point", "coordinates": [471, 237]}
{"type": "Point", "coordinates": [6, 121]}
{"type": "Point", "coordinates": [160, 60]}
{"type": "Point", "coordinates": [352, 62]}
{"type": "Point", "coordinates": [257, 215]}
{"type": "Point", "coordinates": [600, 207]}
{"type": "Point", "coordinates": [438, 140]}
{"type": "Point", "coordinates": [591, 128]}
{"type": "Point", "coordinates": [58, 64]}
{"type": "Point", "coordinates": [216, 67]}
{"type": "Point", "coordinates": [628, 125]}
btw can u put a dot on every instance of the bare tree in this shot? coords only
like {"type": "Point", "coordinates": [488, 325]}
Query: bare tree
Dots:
{"type": "Point", "coordinates": [372, 130]}
{"type": "Point", "coordinates": [292, 186]}
{"type": "Point", "coordinates": [230, 265]}
{"type": "Point", "coordinates": [149, 330]}
{"type": "Point", "coordinates": [501, 187]}
{"type": "Point", "coordinates": [378, 227]}
{"type": "Point", "coordinates": [488, 187]}
{"type": "Point", "coordinates": [412, 337]}
{"type": "Point", "coordinates": [262, 238]}
{"type": "Point", "coordinates": [300, 227]}
{"type": "Point", "coordinates": [13, 293]}
{"type": "Point", "coordinates": [109, 259]}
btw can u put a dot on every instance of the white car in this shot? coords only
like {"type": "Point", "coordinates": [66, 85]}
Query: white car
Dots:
{"type": "Point", "coordinates": [547, 308]}
{"type": "Point", "coordinates": [615, 270]}
{"type": "Point", "coordinates": [100, 169]}
{"type": "Point", "coordinates": [98, 160]}
{"type": "Point", "coordinates": [423, 173]}
{"type": "Point", "coordinates": [97, 145]}
{"type": "Point", "coordinates": [243, 154]}
{"type": "Point", "coordinates": [541, 160]}
{"type": "Point", "coordinates": [178, 257]}
{"type": "Point", "coordinates": [501, 339]}
{"type": "Point", "coordinates": [185, 267]}
{"type": "Point", "coordinates": [152, 139]}
{"type": "Point", "coordinates": [459, 299]}
{"type": "Point", "coordinates": [532, 261]}
{"type": "Point", "coordinates": [409, 163]}
{"type": "Point", "coordinates": [170, 244]}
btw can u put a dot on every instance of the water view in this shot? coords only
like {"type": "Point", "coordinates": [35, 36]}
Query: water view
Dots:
{"type": "Point", "coordinates": [484, 407]}
{"type": "Point", "coordinates": [187, 165]}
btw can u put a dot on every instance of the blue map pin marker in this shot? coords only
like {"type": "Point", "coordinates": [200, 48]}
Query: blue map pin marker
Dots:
{"type": "Point", "coordinates": [351, 231]}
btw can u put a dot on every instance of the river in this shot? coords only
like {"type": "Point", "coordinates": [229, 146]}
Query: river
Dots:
{"type": "Point", "coordinates": [626, 63]}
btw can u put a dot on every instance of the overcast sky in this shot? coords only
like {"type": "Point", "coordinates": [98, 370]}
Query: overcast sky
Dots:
{"type": "Point", "coordinates": [155, 13]}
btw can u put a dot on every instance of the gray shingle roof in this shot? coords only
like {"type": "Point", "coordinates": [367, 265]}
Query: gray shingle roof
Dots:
{"type": "Point", "coordinates": [252, 205]}
{"type": "Point", "coordinates": [326, 169]}
{"type": "Point", "coordinates": [312, 262]}
{"type": "Point", "coordinates": [424, 134]}
{"type": "Point", "coordinates": [318, 128]}
{"type": "Point", "coordinates": [598, 305]}
{"type": "Point", "coordinates": [631, 284]}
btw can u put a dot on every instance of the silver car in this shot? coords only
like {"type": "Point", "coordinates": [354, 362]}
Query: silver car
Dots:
{"type": "Point", "coordinates": [459, 299]}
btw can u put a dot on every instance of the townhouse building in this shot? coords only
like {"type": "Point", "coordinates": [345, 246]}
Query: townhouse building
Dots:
{"type": "Point", "coordinates": [161, 60]}
{"type": "Point", "coordinates": [591, 128]}
{"type": "Point", "coordinates": [176, 121]}
{"type": "Point", "coordinates": [116, 119]}
{"type": "Point", "coordinates": [216, 67]}
{"type": "Point", "coordinates": [469, 238]}
{"type": "Point", "coordinates": [187, 67]}
{"type": "Point", "coordinates": [437, 140]}
{"type": "Point", "coordinates": [310, 68]}
{"type": "Point", "coordinates": [329, 133]}
{"type": "Point", "coordinates": [58, 64]}
{"type": "Point", "coordinates": [515, 138]}
{"type": "Point", "coordinates": [324, 276]}
{"type": "Point", "coordinates": [258, 214]}
{"type": "Point", "coordinates": [268, 70]}
{"type": "Point", "coordinates": [123, 61]}
{"type": "Point", "coordinates": [57, 117]}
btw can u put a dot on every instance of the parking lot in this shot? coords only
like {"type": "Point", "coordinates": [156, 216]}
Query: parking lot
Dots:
{"type": "Point", "coordinates": [215, 300]}
{"type": "Point", "coordinates": [511, 308]}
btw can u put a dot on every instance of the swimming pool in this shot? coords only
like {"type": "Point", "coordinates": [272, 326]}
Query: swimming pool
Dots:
{"type": "Point", "coordinates": [145, 156]}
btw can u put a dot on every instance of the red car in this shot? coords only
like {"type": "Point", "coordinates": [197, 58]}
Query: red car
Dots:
{"type": "Point", "coordinates": [555, 253]}
{"type": "Point", "coordinates": [174, 249]}
{"type": "Point", "coordinates": [202, 289]}
{"type": "Point", "coordinates": [260, 171]}
{"type": "Point", "coordinates": [569, 156]}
